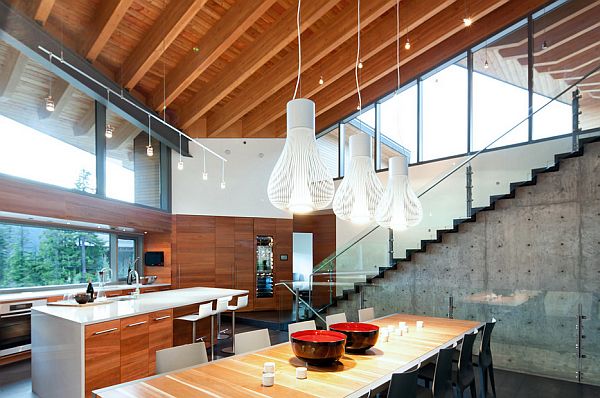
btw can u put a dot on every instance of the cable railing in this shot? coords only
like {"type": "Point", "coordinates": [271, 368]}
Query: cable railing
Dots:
{"type": "Point", "coordinates": [328, 267]}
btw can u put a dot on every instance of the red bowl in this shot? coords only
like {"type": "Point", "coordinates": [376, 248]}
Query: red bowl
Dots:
{"type": "Point", "coordinates": [318, 347]}
{"type": "Point", "coordinates": [359, 336]}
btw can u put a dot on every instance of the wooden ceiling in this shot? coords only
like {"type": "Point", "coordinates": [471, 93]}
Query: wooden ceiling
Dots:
{"type": "Point", "coordinates": [226, 68]}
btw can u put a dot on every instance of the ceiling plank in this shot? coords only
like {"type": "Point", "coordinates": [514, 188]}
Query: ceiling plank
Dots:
{"type": "Point", "coordinates": [256, 55]}
{"type": "Point", "coordinates": [108, 17]}
{"type": "Point", "coordinates": [318, 46]}
{"type": "Point", "coordinates": [11, 73]}
{"type": "Point", "coordinates": [42, 10]}
{"type": "Point", "coordinates": [418, 16]}
{"type": "Point", "coordinates": [164, 31]}
{"type": "Point", "coordinates": [501, 17]}
{"type": "Point", "coordinates": [238, 19]}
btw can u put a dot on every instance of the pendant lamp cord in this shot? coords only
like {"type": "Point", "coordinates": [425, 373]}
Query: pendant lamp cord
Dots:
{"type": "Point", "coordinates": [358, 60]}
{"type": "Point", "coordinates": [299, 50]}
{"type": "Point", "coordinates": [398, 44]}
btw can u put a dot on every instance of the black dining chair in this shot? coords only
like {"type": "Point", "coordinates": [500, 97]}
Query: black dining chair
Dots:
{"type": "Point", "coordinates": [484, 360]}
{"type": "Point", "coordinates": [441, 376]}
{"type": "Point", "coordinates": [403, 385]}
{"type": "Point", "coordinates": [464, 377]}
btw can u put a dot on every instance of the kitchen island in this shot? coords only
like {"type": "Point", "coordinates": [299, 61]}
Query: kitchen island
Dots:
{"type": "Point", "coordinates": [78, 349]}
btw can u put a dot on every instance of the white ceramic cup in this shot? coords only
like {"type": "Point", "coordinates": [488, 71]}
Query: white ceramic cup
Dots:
{"type": "Point", "coordinates": [401, 325]}
{"type": "Point", "coordinates": [384, 337]}
{"type": "Point", "coordinates": [268, 379]}
{"type": "Point", "coordinates": [399, 331]}
{"type": "Point", "coordinates": [301, 373]}
{"type": "Point", "coordinates": [269, 367]}
{"type": "Point", "coordinates": [391, 329]}
{"type": "Point", "coordinates": [419, 324]}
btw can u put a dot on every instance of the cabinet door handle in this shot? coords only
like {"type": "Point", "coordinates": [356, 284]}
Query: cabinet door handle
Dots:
{"type": "Point", "coordinates": [136, 324]}
{"type": "Point", "coordinates": [160, 318]}
{"type": "Point", "coordinates": [106, 331]}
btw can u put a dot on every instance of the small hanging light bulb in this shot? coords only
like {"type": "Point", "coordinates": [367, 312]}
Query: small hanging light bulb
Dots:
{"type": "Point", "coordinates": [360, 64]}
{"type": "Point", "coordinates": [544, 45]}
{"type": "Point", "coordinates": [180, 163]}
{"type": "Point", "coordinates": [149, 149]}
{"type": "Point", "coordinates": [204, 173]}
{"type": "Point", "coordinates": [486, 65]}
{"type": "Point", "coordinates": [407, 44]}
{"type": "Point", "coordinates": [49, 103]}
{"type": "Point", "coordinates": [108, 133]}
{"type": "Point", "coordinates": [468, 21]}
{"type": "Point", "coordinates": [321, 81]}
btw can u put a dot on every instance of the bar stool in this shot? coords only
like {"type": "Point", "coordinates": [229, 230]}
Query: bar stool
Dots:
{"type": "Point", "coordinates": [204, 311]}
{"type": "Point", "coordinates": [242, 301]}
{"type": "Point", "coordinates": [221, 335]}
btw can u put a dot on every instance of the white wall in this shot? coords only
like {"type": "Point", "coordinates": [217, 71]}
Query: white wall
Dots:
{"type": "Point", "coordinates": [246, 175]}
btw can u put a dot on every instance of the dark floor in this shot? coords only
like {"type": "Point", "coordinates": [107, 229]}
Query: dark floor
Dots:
{"type": "Point", "coordinates": [15, 379]}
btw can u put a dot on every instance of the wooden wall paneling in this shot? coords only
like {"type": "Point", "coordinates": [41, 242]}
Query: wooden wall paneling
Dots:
{"type": "Point", "coordinates": [159, 241]}
{"type": "Point", "coordinates": [195, 250]}
{"type": "Point", "coordinates": [283, 269]}
{"type": "Point", "coordinates": [24, 197]}
{"type": "Point", "coordinates": [244, 268]}
{"type": "Point", "coordinates": [224, 252]}
{"type": "Point", "coordinates": [265, 226]}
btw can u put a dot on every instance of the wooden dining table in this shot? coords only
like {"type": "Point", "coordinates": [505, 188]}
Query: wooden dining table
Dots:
{"type": "Point", "coordinates": [353, 376]}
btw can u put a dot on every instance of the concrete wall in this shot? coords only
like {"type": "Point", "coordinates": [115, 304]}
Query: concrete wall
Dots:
{"type": "Point", "coordinates": [529, 264]}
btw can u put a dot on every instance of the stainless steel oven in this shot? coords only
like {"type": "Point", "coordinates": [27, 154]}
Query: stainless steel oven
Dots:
{"type": "Point", "coordinates": [15, 326]}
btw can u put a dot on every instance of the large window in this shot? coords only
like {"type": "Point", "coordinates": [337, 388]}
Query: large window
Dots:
{"type": "Point", "coordinates": [445, 112]}
{"type": "Point", "coordinates": [37, 256]}
{"type": "Point", "coordinates": [500, 93]}
{"type": "Point", "coordinates": [126, 256]}
{"type": "Point", "coordinates": [398, 116]}
{"type": "Point", "coordinates": [56, 147]}
{"type": "Point", "coordinates": [131, 175]}
{"type": "Point", "coordinates": [328, 150]}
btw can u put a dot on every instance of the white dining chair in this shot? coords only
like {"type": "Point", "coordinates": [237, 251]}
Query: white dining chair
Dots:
{"type": "Point", "coordinates": [335, 318]}
{"type": "Point", "coordinates": [299, 326]}
{"type": "Point", "coordinates": [180, 357]}
{"type": "Point", "coordinates": [366, 314]}
{"type": "Point", "coordinates": [252, 341]}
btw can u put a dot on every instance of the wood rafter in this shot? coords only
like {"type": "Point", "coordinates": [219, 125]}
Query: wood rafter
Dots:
{"type": "Point", "coordinates": [87, 123]}
{"type": "Point", "coordinates": [215, 42]}
{"type": "Point", "coordinates": [39, 10]}
{"type": "Point", "coordinates": [108, 17]}
{"type": "Point", "coordinates": [335, 65]}
{"type": "Point", "coordinates": [164, 31]}
{"type": "Point", "coordinates": [314, 49]}
{"type": "Point", "coordinates": [255, 56]}
{"type": "Point", "coordinates": [11, 73]}
{"type": "Point", "coordinates": [121, 135]}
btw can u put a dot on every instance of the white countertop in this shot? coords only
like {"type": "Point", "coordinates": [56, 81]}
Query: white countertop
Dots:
{"type": "Point", "coordinates": [145, 303]}
{"type": "Point", "coordinates": [42, 294]}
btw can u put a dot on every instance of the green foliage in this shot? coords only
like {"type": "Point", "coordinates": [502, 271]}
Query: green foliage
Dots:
{"type": "Point", "coordinates": [83, 181]}
{"type": "Point", "coordinates": [54, 257]}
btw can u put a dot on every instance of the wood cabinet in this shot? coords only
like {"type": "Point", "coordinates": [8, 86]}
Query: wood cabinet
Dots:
{"type": "Point", "coordinates": [134, 347]}
{"type": "Point", "coordinates": [160, 332]}
{"type": "Point", "coordinates": [102, 355]}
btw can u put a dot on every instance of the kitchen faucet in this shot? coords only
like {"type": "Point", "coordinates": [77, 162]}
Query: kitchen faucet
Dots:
{"type": "Point", "coordinates": [136, 293]}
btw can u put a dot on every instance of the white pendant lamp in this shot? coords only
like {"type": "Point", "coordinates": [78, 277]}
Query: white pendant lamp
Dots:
{"type": "Point", "coordinates": [399, 207]}
{"type": "Point", "coordinates": [357, 196]}
{"type": "Point", "coordinates": [300, 182]}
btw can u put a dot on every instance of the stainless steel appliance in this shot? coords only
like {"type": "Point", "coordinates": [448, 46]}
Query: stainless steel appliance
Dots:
{"type": "Point", "coordinates": [15, 326]}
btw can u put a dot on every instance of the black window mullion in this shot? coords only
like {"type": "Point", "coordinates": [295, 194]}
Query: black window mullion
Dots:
{"type": "Point", "coordinates": [100, 131]}
{"type": "Point", "coordinates": [469, 100]}
{"type": "Point", "coordinates": [530, 39]}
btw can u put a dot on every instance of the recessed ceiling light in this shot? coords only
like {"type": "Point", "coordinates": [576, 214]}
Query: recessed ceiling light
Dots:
{"type": "Point", "coordinates": [196, 49]}
{"type": "Point", "coordinates": [227, 151]}
{"type": "Point", "coordinates": [468, 21]}
{"type": "Point", "coordinates": [261, 155]}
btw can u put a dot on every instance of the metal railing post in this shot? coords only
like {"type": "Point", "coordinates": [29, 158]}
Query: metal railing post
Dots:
{"type": "Point", "coordinates": [297, 303]}
{"type": "Point", "coordinates": [391, 246]}
{"type": "Point", "coordinates": [450, 307]}
{"type": "Point", "coordinates": [580, 337]}
{"type": "Point", "coordinates": [576, 111]}
{"type": "Point", "coordinates": [469, 190]}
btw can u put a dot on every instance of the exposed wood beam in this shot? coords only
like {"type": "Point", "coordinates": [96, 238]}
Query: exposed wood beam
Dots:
{"type": "Point", "coordinates": [107, 19]}
{"type": "Point", "coordinates": [11, 73]}
{"type": "Point", "coordinates": [557, 53]}
{"type": "Point", "coordinates": [86, 124]}
{"type": "Point", "coordinates": [122, 134]}
{"type": "Point", "coordinates": [61, 94]}
{"type": "Point", "coordinates": [571, 67]}
{"type": "Point", "coordinates": [165, 30]}
{"type": "Point", "coordinates": [238, 19]}
{"type": "Point", "coordinates": [275, 39]}
{"type": "Point", "coordinates": [418, 16]}
{"type": "Point", "coordinates": [39, 10]}
{"type": "Point", "coordinates": [318, 46]}
{"type": "Point", "coordinates": [503, 16]}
